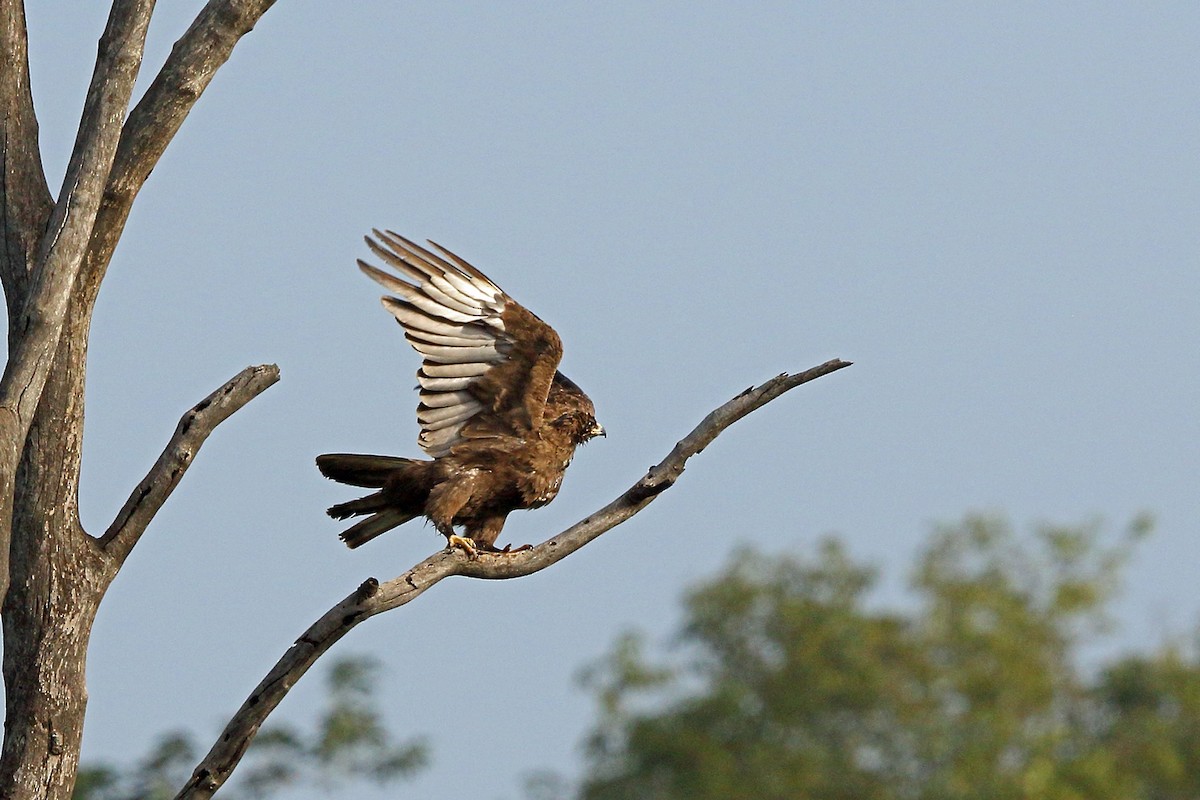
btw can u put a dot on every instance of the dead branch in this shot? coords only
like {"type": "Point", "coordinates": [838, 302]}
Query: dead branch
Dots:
{"type": "Point", "coordinates": [194, 427]}
{"type": "Point", "coordinates": [204, 47]}
{"type": "Point", "coordinates": [35, 332]}
{"type": "Point", "coordinates": [373, 598]}
{"type": "Point", "coordinates": [70, 224]}
{"type": "Point", "coordinates": [25, 201]}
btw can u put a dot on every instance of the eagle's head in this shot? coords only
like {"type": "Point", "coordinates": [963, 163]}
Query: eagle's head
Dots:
{"type": "Point", "coordinates": [572, 410]}
{"type": "Point", "coordinates": [579, 426]}
{"type": "Point", "coordinates": [592, 429]}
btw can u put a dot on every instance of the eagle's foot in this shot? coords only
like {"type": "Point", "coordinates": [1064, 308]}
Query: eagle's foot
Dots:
{"type": "Point", "coordinates": [508, 548]}
{"type": "Point", "coordinates": [463, 543]}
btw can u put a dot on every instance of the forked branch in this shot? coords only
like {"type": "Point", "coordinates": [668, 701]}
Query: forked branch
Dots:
{"type": "Point", "coordinates": [70, 225]}
{"type": "Point", "coordinates": [373, 598]}
{"type": "Point", "coordinates": [157, 117]}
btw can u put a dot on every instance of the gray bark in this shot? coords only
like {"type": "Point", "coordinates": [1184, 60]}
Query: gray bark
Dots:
{"type": "Point", "coordinates": [53, 255]}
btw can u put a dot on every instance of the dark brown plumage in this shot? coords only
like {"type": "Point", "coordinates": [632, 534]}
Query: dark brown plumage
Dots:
{"type": "Point", "coordinates": [499, 420]}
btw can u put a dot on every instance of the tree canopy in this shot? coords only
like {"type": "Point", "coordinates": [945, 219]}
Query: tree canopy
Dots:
{"type": "Point", "coordinates": [785, 681]}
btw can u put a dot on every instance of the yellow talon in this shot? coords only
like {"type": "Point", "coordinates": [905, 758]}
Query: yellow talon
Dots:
{"type": "Point", "coordinates": [465, 544]}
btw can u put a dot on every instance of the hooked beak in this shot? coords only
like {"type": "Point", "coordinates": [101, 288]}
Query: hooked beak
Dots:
{"type": "Point", "coordinates": [598, 430]}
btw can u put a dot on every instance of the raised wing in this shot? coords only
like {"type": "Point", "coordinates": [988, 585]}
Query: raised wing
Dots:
{"type": "Point", "coordinates": [487, 361]}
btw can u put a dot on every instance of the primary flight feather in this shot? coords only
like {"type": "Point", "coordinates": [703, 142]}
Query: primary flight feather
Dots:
{"type": "Point", "coordinates": [498, 419]}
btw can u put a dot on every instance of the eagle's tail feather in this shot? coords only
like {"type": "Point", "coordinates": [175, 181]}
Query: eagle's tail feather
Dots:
{"type": "Point", "coordinates": [370, 504]}
{"type": "Point", "coordinates": [372, 526]}
{"type": "Point", "coordinates": [407, 481]}
{"type": "Point", "coordinates": [368, 471]}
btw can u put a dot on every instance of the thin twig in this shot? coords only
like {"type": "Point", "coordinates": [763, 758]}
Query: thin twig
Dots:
{"type": "Point", "coordinates": [373, 598]}
{"type": "Point", "coordinates": [194, 427]}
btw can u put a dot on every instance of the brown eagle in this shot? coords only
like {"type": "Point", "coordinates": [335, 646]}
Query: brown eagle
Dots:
{"type": "Point", "coordinates": [499, 420]}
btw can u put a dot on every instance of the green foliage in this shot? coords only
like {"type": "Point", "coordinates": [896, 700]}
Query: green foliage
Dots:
{"type": "Point", "coordinates": [348, 743]}
{"type": "Point", "coordinates": [788, 685]}
{"type": "Point", "coordinates": [1151, 721]}
{"type": "Point", "coordinates": [157, 776]}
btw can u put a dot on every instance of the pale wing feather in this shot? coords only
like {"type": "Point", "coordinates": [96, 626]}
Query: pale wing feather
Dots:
{"type": "Point", "coordinates": [414, 319]}
{"type": "Point", "coordinates": [443, 384]}
{"type": "Point", "coordinates": [439, 399]}
{"type": "Point", "coordinates": [454, 370]}
{"type": "Point", "coordinates": [425, 267]}
{"type": "Point", "coordinates": [437, 289]}
{"type": "Point", "coordinates": [417, 297]}
{"type": "Point", "coordinates": [439, 354]}
{"type": "Point", "coordinates": [473, 284]}
{"type": "Point", "coordinates": [447, 415]}
{"type": "Point", "coordinates": [465, 337]}
{"type": "Point", "coordinates": [438, 443]}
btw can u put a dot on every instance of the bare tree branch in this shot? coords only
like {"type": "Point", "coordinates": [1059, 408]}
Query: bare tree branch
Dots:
{"type": "Point", "coordinates": [154, 121]}
{"type": "Point", "coordinates": [25, 201]}
{"type": "Point", "coordinates": [34, 335]}
{"type": "Point", "coordinates": [373, 598]}
{"type": "Point", "coordinates": [70, 227]}
{"type": "Point", "coordinates": [194, 427]}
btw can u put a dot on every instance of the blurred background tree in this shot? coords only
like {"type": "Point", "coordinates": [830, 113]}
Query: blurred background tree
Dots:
{"type": "Point", "coordinates": [347, 743]}
{"type": "Point", "coordinates": [785, 683]}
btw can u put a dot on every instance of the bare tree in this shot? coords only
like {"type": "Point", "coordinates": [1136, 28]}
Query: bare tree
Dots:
{"type": "Point", "coordinates": [56, 249]}
{"type": "Point", "coordinates": [55, 253]}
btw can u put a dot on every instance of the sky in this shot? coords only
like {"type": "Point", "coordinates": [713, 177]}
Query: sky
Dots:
{"type": "Point", "coordinates": [993, 209]}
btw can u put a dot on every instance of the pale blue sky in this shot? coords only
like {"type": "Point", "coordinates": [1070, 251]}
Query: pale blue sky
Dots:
{"type": "Point", "coordinates": [991, 208]}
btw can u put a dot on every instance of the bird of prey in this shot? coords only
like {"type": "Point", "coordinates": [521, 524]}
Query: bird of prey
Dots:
{"type": "Point", "coordinates": [499, 420]}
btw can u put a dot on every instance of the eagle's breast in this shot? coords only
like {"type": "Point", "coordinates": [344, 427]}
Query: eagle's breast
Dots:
{"type": "Point", "coordinates": [546, 483]}
{"type": "Point", "coordinates": [551, 491]}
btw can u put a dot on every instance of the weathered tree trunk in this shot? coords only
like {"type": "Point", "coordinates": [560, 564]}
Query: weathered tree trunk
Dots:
{"type": "Point", "coordinates": [53, 255]}
{"type": "Point", "coordinates": [58, 575]}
